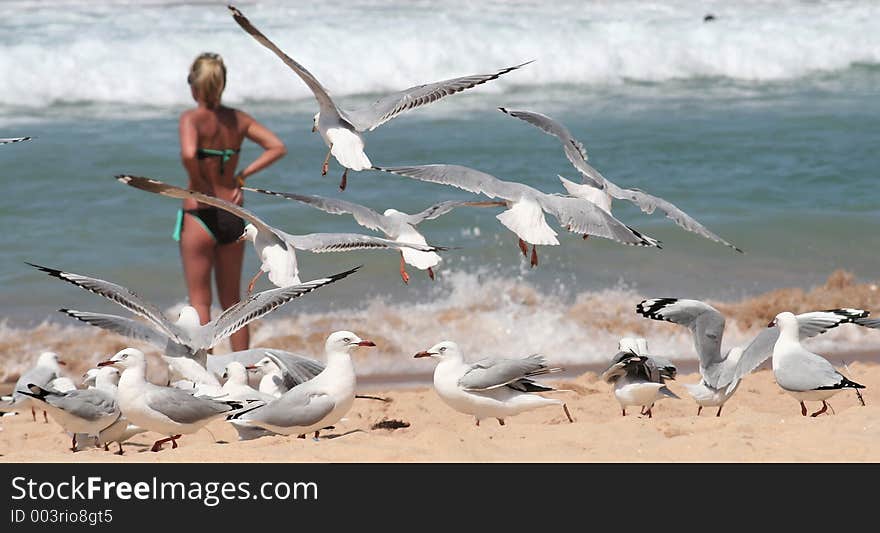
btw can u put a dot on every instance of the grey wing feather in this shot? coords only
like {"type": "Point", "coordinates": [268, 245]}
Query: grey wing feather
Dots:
{"type": "Point", "coordinates": [469, 179]}
{"type": "Point", "coordinates": [442, 208]}
{"type": "Point", "coordinates": [10, 140]}
{"type": "Point", "coordinates": [809, 325]}
{"type": "Point", "coordinates": [295, 408]}
{"type": "Point", "coordinates": [343, 242]}
{"type": "Point", "coordinates": [393, 105]}
{"type": "Point", "coordinates": [574, 150]}
{"type": "Point", "coordinates": [295, 369]}
{"type": "Point", "coordinates": [121, 325]}
{"type": "Point", "coordinates": [120, 295]}
{"type": "Point", "coordinates": [363, 215]}
{"type": "Point", "coordinates": [704, 321]}
{"type": "Point", "coordinates": [39, 375]}
{"type": "Point", "coordinates": [584, 217]}
{"type": "Point", "coordinates": [810, 372]}
{"type": "Point", "coordinates": [182, 407]}
{"type": "Point", "coordinates": [258, 305]}
{"type": "Point", "coordinates": [165, 189]}
{"type": "Point", "coordinates": [321, 94]}
{"type": "Point", "coordinates": [648, 203]}
{"type": "Point", "coordinates": [577, 155]}
{"type": "Point", "coordinates": [88, 404]}
{"type": "Point", "coordinates": [490, 373]}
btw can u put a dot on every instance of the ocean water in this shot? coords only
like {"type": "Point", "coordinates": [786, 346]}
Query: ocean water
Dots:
{"type": "Point", "coordinates": [763, 124]}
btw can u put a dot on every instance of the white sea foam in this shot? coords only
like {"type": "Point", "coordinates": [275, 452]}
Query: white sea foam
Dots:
{"type": "Point", "coordinates": [138, 53]}
{"type": "Point", "coordinates": [487, 315]}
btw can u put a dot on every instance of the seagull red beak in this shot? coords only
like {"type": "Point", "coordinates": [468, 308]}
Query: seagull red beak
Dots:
{"type": "Point", "coordinates": [366, 343]}
{"type": "Point", "coordinates": [62, 363]}
{"type": "Point", "coordinates": [424, 354]}
{"type": "Point", "coordinates": [772, 323]}
{"type": "Point", "coordinates": [250, 367]}
{"type": "Point", "coordinates": [106, 363]}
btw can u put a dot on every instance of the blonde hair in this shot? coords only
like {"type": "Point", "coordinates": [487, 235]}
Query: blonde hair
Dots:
{"type": "Point", "coordinates": [208, 77]}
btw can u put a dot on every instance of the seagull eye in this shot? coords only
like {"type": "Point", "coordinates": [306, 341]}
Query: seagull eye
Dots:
{"type": "Point", "coordinates": [346, 340]}
{"type": "Point", "coordinates": [443, 349]}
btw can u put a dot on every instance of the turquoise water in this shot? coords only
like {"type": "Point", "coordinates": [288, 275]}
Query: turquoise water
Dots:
{"type": "Point", "coordinates": [776, 152]}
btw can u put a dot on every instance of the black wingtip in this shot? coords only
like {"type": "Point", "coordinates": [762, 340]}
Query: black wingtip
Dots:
{"type": "Point", "coordinates": [51, 271]}
{"type": "Point", "coordinates": [656, 305]}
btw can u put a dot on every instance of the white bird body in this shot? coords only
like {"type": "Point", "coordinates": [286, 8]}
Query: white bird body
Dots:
{"type": "Point", "coordinates": [317, 403]}
{"type": "Point", "coordinates": [494, 403]}
{"type": "Point", "coordinates": [408, 234]}
{"type": "Point", "coordinates": [635, 392]}
{"type": "Point", "coordinates": [489, 388]}
{"type": "Point", "coordinates": [345, 143]}
{"type": "Point", "coordinates": [165, 410]}
{"type": "Point", "coordinates": [526, 218]}
{"type": "Point", "coordinates": [803, 374]}
{"type": "Point", "coordinates": [586, 191]}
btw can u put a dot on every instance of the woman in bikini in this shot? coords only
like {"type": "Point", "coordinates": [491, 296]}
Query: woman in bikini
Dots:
{"type": "Point", "coordinates": [210, 140]}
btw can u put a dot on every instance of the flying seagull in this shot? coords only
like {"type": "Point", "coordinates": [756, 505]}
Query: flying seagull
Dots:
{"type": "Point", "coordinates": [341, 129]}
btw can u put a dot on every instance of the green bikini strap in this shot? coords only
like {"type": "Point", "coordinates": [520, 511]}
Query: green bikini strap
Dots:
{"type": "Point", "coordinates": [225, 154]}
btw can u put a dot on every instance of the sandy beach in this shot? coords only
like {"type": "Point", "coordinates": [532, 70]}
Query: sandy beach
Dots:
{"type": "Point", "coordinates": [760, 423]}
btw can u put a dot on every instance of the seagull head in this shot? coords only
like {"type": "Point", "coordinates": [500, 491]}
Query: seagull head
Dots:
{"type": "Point", "coordinates": [235, 372]}
{"type": "Point", "coordinates": [106, 375]}
{"type": "Point", "coordinates": [344, 341]}
{"type": "Point", "coordinates": [49, 359]}
{"type": "Point", "coordinates": [785, 321]}
{"type": "Point", "coordinates": [127, 358]}
{"type": "Point", "coordinates": [89, 377]}
{"type": "Point", "coordinates": [441, 350]}
{"type": "Point", "coordinates": [264, 365]}
{"type": "Point", "coordinates": [391, 212]}
{"type": "Point", "coordinates": [250, 233]}
{"type": "Point", "coordinates": [188, 318]}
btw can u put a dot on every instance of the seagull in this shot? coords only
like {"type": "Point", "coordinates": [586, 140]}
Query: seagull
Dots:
{"type": "Point", "coordinates": [275, 248]}
{"type": "Point", "coordinates": [78, 411]}
{"type": "Point", "coordinates": [10, 140]}
{"type": "Point", "coordinates": [165, 410]}
{"type": "Point", "coordinates": [106, 378]}
{"type": "Point", "coordinates": [44, 372]}
{"type": "Point", "coordinates": [526, 207]}
{"type": "Point", "coordinates": [666, 369]}
{"type": "Point", "coordinates": [184, 343]}
{"type": "Point", "coordinates": [801, 373]}
{"type": "Point", "coordinates": [272, 382]}
{"type": "Point", "coordinates": [637, 378]}
{"type": "Point", "coordinates": [295, 368]}
{"type": "Point", "coordinates": [341, 129]}
{"type": "Point", "coordinates": [598, 189]}
{"type": "Point", "coordinates": [396, 225]}
{"type": "Point", "coordinates": [721, 374]}
{"type": "Point", "coordinates": [491, 387]}
{"type": "Point", "coordinates": [236, 385]}
{"type": "Point", "coordinates": [320, 402]}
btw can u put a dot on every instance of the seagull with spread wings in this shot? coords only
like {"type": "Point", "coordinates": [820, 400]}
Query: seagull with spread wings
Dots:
{"type": "Point", "coordinates": [396, 225]}
{"type": "Point", "coordinates": [341, 129]}
{"type": "Point", "coordinates": [275, 248]}
{"type": "Point", "coordinates": [597, 189]}
{"type": "Point", "coordinates": [527, 205]}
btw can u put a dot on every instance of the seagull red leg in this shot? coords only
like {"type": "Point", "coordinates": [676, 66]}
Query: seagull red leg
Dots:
{"type": "Point", "coordinates": [344, 181]}
{"type": "Point", "coordinates": [803, 409]}
{"type": "Point", "coordinates": [254, 281]}
{"type": "Point", "coordinates": [403, 275]}
{"type": "Point", "coordinates": [822, 410]}
{"type": "Point", "coordinates": [534, 256]}
{"type": "Point", "coordinates": [431, 273]}
{"type": "Point", "coordinates": [524, 248]}
{"type": "Point", "coordinates": [326, 166]}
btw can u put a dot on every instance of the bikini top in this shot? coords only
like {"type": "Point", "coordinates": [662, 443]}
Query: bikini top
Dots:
{"type": "Point", "coordinates": [224, 155]}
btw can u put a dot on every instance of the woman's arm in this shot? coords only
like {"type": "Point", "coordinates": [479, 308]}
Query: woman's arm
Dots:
{"type": "Point", "coordinates": [273, 148]}
{"type": "Point", "coordinates": [189, 140]}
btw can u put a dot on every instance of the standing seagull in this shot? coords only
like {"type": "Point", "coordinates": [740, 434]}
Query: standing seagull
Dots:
{"type": "Point", "coordinates": [87, 411]}
{"type": "Point", "coordinates": [721, 374]}
{"type": "Point", "coordinates": [341, 129]}
{"type": "Point", "coordinates": [320, 402]}
{"type": "Point", "coordinates": [43, 373]}
{"type": "Point", "coordinates": [396, 225]}
{"type": "Point", "coordinates": [801, 373]}
{"type": "Point", "coordinates": [275, 248]}
{"type": "Point", "coordinates": [165, 410]}
{"type": "Point", "coordinates": [490, 388]}
{"type": "Point", "coordinates": [599, 190]}
{"type": "Point", "coordinates": [527, 205]}
{"type": "Point", "coordinates": [637, 380]}
{"type": "Point", "coordinates": [184, 343]}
